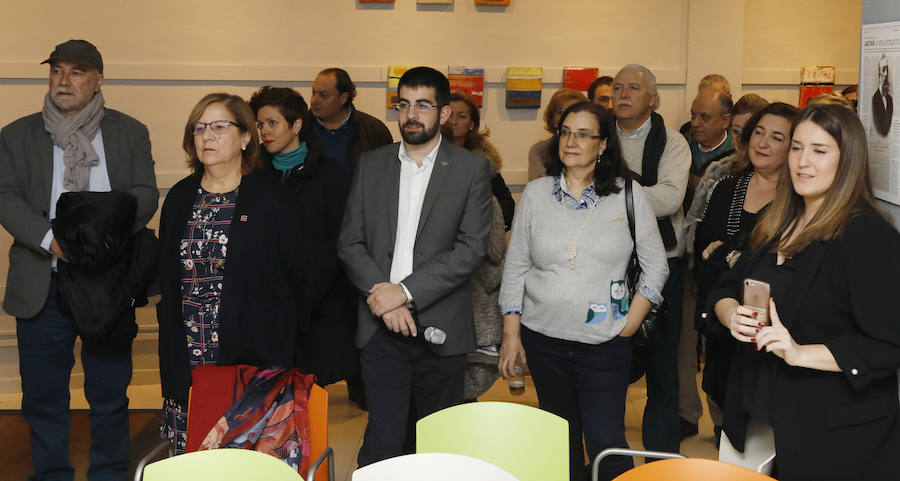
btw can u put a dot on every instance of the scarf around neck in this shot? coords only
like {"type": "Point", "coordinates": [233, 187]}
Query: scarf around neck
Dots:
{"type": "Point", "coordinates": [289, 160]}
{"type": "Point", "coordinates": [73, 134]}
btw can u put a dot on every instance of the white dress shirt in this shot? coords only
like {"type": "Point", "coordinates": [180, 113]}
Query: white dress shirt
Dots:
{"type": "Point", "coordinates": [99, 182]}
{"type": "Point", "coordinates": [413, 184]}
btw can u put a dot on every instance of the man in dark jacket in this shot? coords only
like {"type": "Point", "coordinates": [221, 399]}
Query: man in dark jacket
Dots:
{"type": "Point", "coordinates": [74, 144]}
{"type": "Point", "coordinates": [344, 132]}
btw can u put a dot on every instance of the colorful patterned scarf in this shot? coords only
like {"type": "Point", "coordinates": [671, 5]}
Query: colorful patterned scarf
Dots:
{"type": "Point", "coordinates": [269, 416]}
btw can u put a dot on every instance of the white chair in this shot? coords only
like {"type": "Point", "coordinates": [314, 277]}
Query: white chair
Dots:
{"type": "Point", "coordinates": [433, 467]}
{"type": "Point", "coordinates": [759, 449]}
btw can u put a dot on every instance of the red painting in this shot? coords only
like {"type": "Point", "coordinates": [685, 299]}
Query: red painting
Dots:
{"type": "Point", "coordinates": [579, 78]}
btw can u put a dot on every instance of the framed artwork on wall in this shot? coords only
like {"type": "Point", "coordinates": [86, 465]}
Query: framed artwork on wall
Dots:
{"type": "Point", "coordinates": [579, 78]}
{"type": "Point", "coordinates": [394, 74]}
{"type": "Point", "coordinates": [523, 87]}
{"type": "Point", "coordinates": [492, 2]}
{"type": "Point", "coordinates": [469, 79]}
{"type": "Point", "coordinates": [376, 1]}
{"type": "Point", "coordinates": [435, 2]}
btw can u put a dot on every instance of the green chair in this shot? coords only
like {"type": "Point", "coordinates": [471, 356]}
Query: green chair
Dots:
{"type": "Point", "coordinates": [221, 465]}
{"type": "Point", "coordinates": [530, 444]}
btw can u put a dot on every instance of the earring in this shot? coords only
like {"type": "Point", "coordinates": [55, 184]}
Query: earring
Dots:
{"type": "Point", "coordinates": [243, 147]}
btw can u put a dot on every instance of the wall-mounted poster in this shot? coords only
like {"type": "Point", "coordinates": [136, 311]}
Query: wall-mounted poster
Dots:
{"type": "Point", "coordinates": [523, 87]}
{"type": "Point", "coordinates": [579, 78]}
{"type": "Point", "coordinates": [394, 74]}
{"type": "Point", "coordinates": [470, 79]}
{"type": "Point", "coordinates": [880, 61]}
{"type": "Point", "coordinates": [435, 2]}
{"type": "Point", "coordinates": [492, 2]}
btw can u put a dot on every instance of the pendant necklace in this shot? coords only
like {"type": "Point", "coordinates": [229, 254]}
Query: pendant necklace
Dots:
{"type": "Point", "coordinates": [573, 243]}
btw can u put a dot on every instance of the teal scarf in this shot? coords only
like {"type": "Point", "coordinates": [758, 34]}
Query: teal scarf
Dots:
{"type": "Point", "coordinates": [289, 160]}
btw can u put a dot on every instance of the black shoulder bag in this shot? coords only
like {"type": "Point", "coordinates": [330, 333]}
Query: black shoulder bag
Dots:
{"type": "Point", "coordinates": [651, 330]}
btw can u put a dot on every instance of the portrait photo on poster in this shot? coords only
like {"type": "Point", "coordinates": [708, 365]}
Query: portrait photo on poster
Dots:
{"type": "Point", "coordinates": [879, 54]}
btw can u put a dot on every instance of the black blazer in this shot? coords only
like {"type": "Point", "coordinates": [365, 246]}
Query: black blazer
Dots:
{"type": "Point", "coordinates": [267, 283]}
{"type": "Point", "coordinates": [882, 113]}
{"type": "Point", "coordinates": [844, 425]}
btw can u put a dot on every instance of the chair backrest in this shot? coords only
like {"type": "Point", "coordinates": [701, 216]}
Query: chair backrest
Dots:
{"type": "Point", "coordinates": [530, 443]}
{"type": "Point", "coordinates": [433, 467]}
{"type": "Point", "coordinates": [213, 397]}
{"type": "Point", "coordinates": [221, 465]}
{"type": "Point", "coordinates": [691, 469]}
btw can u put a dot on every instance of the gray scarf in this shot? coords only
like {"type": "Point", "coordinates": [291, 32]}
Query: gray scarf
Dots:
{"type": "Point", "coordinates": [73, 134]}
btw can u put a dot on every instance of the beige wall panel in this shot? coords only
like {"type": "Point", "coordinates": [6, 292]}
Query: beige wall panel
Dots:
{"type": "Point", "coordinates": [317, 32]}
{"type": "Point", "coordinates": [780, 37]}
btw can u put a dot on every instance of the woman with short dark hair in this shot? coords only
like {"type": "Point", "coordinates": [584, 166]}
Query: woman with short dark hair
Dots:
{"type": "Point", "coordinates": [319, 189]}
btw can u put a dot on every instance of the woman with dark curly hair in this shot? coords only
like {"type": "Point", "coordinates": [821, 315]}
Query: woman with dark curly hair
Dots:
{"type": "Point", "coordinates": [564, 297]}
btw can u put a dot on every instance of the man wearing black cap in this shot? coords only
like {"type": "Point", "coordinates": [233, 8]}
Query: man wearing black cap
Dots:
{"type": "Point", "coordinates": [73, 144]}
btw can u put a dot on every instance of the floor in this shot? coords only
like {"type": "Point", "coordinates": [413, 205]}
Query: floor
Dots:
{"type": "Point", "coordinates": [346, 426]}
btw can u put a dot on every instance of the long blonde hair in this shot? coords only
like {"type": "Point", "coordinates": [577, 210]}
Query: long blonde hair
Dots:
{"type": "Point", "coordinates": [849, 194]}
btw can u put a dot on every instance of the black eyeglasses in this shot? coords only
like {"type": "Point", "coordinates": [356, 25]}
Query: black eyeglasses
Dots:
{"type": "Point", "coordinates": [217, 126]}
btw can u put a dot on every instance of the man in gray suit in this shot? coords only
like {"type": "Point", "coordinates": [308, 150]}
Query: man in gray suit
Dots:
{"type": "Point", "coordinates": [415, 227]}
{"type": "Point", "coordinates": [74, 144]}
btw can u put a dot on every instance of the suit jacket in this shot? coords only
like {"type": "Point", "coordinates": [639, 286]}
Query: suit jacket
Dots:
{"type": "Point", "coordinates": [881, 115]}
{"type": "Point", "coordinates": [830, 425]}
{"type": "Point", "coordinates": [451, 240]}
{"type": "Point", "coordinates": [26, 172]}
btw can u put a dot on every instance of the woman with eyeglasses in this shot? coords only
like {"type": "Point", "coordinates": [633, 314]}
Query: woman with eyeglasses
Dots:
{"type": "Point", "coordinates": [234, 259]}
{"type": "Point", "coordinates": [815, 372]}
{"type": "Point", "coordinates": [540, 154]}
{"type": "Point", "coordinates": [319, 188]}
{"type": "Point", "coordinates": [564, 295]}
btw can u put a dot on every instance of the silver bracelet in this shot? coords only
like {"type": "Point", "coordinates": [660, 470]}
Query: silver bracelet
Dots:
{"type": "Point", "coordinates": [731, 255]}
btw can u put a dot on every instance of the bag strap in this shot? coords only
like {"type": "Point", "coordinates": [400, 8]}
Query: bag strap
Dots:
{"type": "Point", "coordinates": [634, 266]}
{"type": "Point", "coordinates": [629, 208]}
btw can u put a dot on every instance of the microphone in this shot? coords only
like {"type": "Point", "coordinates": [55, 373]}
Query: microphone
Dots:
{"type": "Point", "coordinates": [434, 335]}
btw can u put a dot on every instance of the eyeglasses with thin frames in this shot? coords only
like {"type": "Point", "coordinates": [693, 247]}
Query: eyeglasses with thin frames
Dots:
{"type": "Point", "coordinates": [420, 107]}
{"type": "Point", "coordinates": [580, 135]}
{"type": "Point", "coordinates": [217, 126]}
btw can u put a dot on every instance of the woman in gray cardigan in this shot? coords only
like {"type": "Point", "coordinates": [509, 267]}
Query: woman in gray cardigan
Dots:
{"type": "Point", "coordinates": [564, 297]}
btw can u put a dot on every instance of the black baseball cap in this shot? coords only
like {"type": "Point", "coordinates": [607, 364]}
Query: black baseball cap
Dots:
{"type": "Point", "coordinates": [81, 52]}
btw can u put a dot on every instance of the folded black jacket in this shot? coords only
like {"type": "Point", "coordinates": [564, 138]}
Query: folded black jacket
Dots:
{"type": "Point", "coordinates": [109, 267]}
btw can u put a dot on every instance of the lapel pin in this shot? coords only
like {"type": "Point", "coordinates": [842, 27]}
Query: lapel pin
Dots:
{"type": "Point", "coordinates": [444, 163]}
{"type": "Point", "coordinates": [243, 218]}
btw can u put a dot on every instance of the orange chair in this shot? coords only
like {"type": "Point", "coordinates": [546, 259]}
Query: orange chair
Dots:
{"type": "Point", "coordinates": [213, 397]}
{"type": "Point", "coordinates": [693, 469]}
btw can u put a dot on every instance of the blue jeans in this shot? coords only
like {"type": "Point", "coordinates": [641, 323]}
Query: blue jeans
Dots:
{"type": "Point", "coordinates": [46, 357]}
{"type": "Point", "coordinates": [584, 384]}
{"type": "Point", "coordinates": [661, 428]}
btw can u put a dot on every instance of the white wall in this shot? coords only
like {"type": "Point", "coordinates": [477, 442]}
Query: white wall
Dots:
{"type": "Point", "coordinates": [162, 56]}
